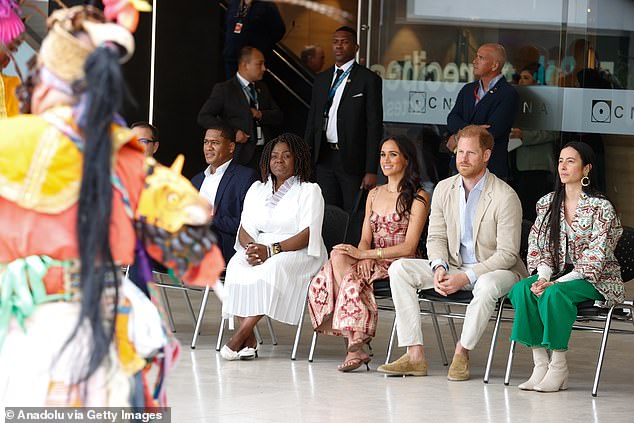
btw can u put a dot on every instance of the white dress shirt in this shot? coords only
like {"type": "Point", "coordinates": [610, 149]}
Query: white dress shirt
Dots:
{"type": "Point", "coordinates": [245, 90]}
{"type": "Point", "coordinates": [244, 84]}
{"type": "Point", "coordinates": [210, 184]}
{"type": "Point", "coordinates": [331, 130]}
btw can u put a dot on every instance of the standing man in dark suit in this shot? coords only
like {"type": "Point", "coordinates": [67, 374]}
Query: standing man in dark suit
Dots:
{"type": "Point", "coordinates": [224, 183]}
{"type": "Point", "coordinates": [490, 102]}
{"type": "Point", "coordinates": [245, 103]}
{"type": "Point", "coordinates": [345, 124]}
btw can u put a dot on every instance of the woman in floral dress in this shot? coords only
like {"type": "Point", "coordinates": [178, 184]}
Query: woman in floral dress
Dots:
{"type": "Point", "coordinates": [341, 299]}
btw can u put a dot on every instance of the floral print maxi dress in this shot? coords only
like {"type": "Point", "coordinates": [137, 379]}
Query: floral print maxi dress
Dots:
{"type": "Point", "coordinates": [351, 306]}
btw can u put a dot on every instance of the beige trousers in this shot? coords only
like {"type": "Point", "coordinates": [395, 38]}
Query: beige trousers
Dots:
{"type": "Point", "coordinates": [409, 275]}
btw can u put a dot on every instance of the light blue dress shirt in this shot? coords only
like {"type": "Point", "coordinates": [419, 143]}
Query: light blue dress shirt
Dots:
{"type": "Point", "coordinates": [467, 214]}
{"type": "Point", "coordinates": [481, 93]}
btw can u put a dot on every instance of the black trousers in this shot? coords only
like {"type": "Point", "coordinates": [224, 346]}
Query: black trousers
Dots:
{"type": "Point", "coordinates": [338, 187]}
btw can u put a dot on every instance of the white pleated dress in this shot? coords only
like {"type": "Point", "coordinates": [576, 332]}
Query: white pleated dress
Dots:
{"type": "Point", "coordinates": [278, 287]}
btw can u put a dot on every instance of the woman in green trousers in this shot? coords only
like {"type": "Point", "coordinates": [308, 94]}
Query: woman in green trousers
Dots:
{"type": "Point", "coordinates": [571, 246]}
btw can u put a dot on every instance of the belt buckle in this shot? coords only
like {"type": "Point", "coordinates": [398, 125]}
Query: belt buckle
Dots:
{"type": "Point", "coordinates": [334, 146]}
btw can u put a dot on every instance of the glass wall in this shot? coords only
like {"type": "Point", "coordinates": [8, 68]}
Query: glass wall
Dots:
{"type": "Point", "coordinates": [571, 61]}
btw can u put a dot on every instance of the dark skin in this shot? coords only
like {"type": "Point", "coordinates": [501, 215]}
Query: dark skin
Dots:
{"type": "Point", "coordinates": [282, 167]}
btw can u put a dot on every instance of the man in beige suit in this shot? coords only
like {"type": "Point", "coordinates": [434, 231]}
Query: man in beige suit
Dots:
{"type": "Point", "coordinates": [473, 244]}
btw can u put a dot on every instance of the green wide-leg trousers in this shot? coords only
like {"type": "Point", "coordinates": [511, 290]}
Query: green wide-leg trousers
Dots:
{"type": "Point", "coordinates": [546, 321]}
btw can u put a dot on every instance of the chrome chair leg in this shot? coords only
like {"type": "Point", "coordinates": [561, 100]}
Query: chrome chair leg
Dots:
{"type": "Point", "coordinates": [494, 337]}
{"type": "Point", "coordinates": [201, 315]}
{"type": "Point", "coordinates": [189, 305]}
{"type": "Point", "coordinates": [390, 346]}
{"type": "Point", "coordinates": [298, 332]}
{"type": "Point", "coordinates": [604, 343]}
{"type": "Point", "coordinates": [509, 364]}
{"type": "Point", "coordinates": [220, 333]}
{"type": "Point", "coordinates": [258, 337]}
{"type": "Point", "coordinates": [452, 326]}
{"type": "Point", "coordinates": [441, 346]}
{"type": "Point", "coordinates": [170, 317]}
{"type": "Point", "coordinates": [269, 324]}
{"type": "Point", "coordinates": [313, 344]}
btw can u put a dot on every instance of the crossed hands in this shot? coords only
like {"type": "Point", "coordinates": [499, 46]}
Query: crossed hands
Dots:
{"type": "Point", "coordinates": [446, 284]}
{"type": "Point", "coordinates": [256, 253]}
{"type": "Point", "coordinates": [364, 266]}
{"type": "Point", "coordinates": [539, 286]}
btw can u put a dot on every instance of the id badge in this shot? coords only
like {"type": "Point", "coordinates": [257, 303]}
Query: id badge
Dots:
{"type": "Point", "coordinates": [238, 28]}
{"type": "Point", "coordinates": [259, 133]}
{"type": "Point", "coordinates": [325, 123]}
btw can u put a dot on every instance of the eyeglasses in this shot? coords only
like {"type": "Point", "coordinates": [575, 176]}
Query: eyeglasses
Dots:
{"type": "Point", "coordinates": [145, 141]}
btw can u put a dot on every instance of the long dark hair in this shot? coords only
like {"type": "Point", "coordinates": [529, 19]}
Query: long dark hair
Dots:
{"type": "Point", "coordinates": [104, 93]}
{"type": "Point", "coordinates": [410, 184]}
{"type": "Point", "coordinates": [300, 151]}
{"type": "Point", "coordinates": [552, 220]}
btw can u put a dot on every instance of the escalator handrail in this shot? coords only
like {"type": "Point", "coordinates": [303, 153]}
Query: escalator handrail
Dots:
{"type": "Point", "coordinates": [289, 89]}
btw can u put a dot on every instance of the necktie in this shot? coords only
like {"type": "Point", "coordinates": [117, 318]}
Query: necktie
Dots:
{"type": "Point", "coordinates": [252, 96]}
{"type": "Point", "coordinates": [331, 97]}
{"type": "Point", "coordinates": [338, 75]}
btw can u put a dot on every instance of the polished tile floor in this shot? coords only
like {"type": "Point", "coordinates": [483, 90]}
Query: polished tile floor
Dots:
{"type": "Point", "coordinates": [272, 388]}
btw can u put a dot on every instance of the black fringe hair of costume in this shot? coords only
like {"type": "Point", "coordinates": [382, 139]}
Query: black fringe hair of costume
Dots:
{"type": "Point", "coordinates": [105, 89]}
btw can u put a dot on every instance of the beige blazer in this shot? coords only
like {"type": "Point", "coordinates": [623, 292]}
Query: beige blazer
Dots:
{"type": "Point", "coordinates": [497, 226]}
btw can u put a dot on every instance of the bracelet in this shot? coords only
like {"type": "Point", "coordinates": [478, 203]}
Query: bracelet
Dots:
{"type": "Point", "coordinates": [379, 253]}
{"type": "Point", "coordinates": [276, 248]}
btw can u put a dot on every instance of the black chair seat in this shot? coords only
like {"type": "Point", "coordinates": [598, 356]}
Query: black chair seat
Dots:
{"type": "Point", "coordinates": [382, 288]}
{"type": "Point", "coordinates": [461, 296]}
{"type": "Point", "coordinates": [588, 309]}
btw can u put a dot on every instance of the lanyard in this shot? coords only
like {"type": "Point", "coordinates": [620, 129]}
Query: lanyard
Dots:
{"type": "Point", "coordinates": [338, 82]}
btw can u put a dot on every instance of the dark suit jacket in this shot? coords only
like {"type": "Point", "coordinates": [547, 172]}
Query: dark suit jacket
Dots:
{"type": "Point", "coordinates": [498, 109]}
{"type": "Point", "coordinates": [229, 103]}
{"type": "Point", "coordinates": [359, 118]}
{"type": "Point", "coordinates": [233, 187]}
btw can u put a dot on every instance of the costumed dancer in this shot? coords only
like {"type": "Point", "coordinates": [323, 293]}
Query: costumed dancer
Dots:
{"type": "Point", "coordinates": [76, 200]}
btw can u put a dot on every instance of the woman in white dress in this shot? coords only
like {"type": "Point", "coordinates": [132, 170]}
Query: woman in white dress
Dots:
{"type": "Point", "coordinates": [279, 246]}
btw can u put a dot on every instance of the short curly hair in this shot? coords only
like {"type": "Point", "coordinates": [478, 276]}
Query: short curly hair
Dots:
{"type": "Point", "coordinates": [301, 153]}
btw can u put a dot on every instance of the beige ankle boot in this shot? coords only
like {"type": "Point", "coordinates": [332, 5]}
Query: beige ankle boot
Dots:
{"type": "Point", "coordinates": [556, 378]}
{"type": "Point", "coordinates": [540, 358]}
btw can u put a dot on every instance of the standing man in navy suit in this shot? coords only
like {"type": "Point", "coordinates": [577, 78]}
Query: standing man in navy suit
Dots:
{"type": "Point", "coordinates": [345, 124]}
{"type": "Point", "coordinates": [245, 103]}
{"type": "Point", "coordinates": [490, 102]}
{"type": "Point", "coordinates": [224, 183]}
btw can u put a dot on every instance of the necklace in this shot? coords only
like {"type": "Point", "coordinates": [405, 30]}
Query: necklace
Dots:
{"type": "Point", "coordinates": [387, 188]}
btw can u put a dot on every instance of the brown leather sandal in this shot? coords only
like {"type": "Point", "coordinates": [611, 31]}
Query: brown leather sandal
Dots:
{"type": "Point", "coordinates": [357, 345]}
{"type": "Point", "coordinates": [354, 364]}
